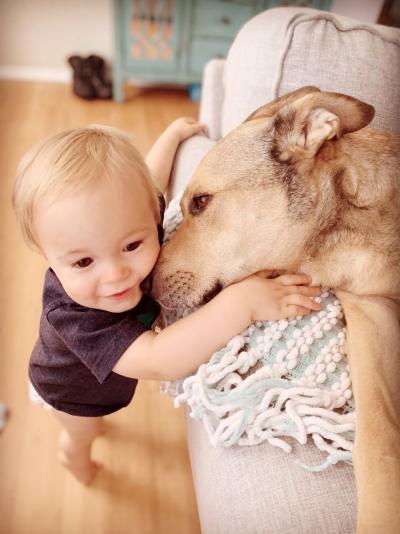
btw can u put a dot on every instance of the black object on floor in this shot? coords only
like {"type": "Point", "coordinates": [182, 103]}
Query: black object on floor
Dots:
{"type": "Point", "coordinates": [89, 77]}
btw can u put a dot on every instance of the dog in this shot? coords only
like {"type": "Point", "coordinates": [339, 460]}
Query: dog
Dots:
{"type": "Point", "coordinates": [303, 185]}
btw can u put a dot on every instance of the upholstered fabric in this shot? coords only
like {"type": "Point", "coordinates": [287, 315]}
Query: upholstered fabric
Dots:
{"type": "Point", "coordinates": [259, 490]}
{"type": "Point", "coordinates": [285, 48]}
{"type": "Point", "coordinates": [213, 97]}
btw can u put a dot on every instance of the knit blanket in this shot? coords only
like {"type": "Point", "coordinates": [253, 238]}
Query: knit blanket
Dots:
{"type": "Point", "coordinates": [275, 381]}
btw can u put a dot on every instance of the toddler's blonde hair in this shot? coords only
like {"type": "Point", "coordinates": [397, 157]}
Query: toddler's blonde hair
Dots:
{"type": "Point", "coordinates": [70, 160]}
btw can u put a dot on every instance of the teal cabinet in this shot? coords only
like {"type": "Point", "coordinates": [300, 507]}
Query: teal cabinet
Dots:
{"type": "Point", "coordinates": [170, 41]}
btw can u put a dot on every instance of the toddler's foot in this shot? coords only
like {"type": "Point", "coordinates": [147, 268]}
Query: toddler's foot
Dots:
{"type": "Point", "coordinates": [77, 459]}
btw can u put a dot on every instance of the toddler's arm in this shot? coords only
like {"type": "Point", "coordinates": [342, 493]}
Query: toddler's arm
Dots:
{"type": "Point", "coordinates": [161, 156]}
{"type": "Point", "coordinates": [183, 346]}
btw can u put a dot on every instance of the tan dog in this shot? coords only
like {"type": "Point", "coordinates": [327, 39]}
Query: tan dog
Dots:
{"type": "Point", "coordinates": [302, 186]}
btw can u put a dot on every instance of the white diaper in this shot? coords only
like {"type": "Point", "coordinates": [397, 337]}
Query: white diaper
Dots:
{"type": "Point", "coordinates": [36, 399]}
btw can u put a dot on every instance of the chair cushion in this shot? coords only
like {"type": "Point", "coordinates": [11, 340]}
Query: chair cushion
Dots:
{"type": "Point", "coordinates": [283, 49]}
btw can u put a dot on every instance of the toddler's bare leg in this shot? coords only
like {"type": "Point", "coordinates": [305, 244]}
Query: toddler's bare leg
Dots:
{"type": "Point", "coordinates": [75, 444]}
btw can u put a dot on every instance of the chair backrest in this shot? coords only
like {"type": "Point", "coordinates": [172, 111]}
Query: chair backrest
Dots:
{"type": "Point", "coordinates": [282, 49]}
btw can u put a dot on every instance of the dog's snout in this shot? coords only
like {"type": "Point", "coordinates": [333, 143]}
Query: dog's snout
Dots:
{"type": "Point", "coordinates": [171, 289]}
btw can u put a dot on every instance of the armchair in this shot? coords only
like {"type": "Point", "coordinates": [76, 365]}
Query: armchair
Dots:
{"type": "Point", "coordinates": [259, 489]}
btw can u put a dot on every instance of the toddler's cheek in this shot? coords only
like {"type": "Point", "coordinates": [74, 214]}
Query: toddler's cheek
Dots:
{"type": "Point", "coordinates": [81, 293]}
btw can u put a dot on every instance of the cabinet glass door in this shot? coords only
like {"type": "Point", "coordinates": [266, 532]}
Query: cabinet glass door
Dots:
{"type": "Point", "coordinates": [150, 35]}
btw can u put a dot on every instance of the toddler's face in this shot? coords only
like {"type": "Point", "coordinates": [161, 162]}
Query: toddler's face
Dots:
{"type": "Point", "coordinates": [101, 242]}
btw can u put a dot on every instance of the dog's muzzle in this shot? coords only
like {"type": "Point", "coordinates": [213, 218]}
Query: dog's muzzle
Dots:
{"type": "Point", "coordinates": [172, 290]}
{"type": "Point", "coordinates": [181, 289]}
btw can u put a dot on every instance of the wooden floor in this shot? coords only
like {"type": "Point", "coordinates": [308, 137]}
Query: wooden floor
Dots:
{"type": "Point", "coordinates": [145, 486]}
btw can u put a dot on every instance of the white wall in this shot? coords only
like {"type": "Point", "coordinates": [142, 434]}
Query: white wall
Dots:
{"type": "Point", "coordinates": [36, 36]}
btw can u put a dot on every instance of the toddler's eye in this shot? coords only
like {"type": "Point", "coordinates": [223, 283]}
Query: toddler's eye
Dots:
{"type": "Point", "coordinates": [132, 246]}
{"type": "Point", "coordinates": [84, 262]}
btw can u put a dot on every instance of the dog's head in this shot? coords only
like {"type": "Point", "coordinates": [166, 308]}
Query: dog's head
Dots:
{"type": "Point", "coordinates": [252, 203]}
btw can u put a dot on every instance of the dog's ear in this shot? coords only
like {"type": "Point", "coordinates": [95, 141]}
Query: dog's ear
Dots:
{"type": "Point", "coordinates": [268, 110]}
{"type": "Point", "coordinates": [303, 126]}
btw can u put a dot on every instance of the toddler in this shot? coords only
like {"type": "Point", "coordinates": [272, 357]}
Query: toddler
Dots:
{"type": "Point", "coordinates": [87, 201]}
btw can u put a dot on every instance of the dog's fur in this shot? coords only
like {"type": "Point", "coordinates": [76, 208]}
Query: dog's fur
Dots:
{"type": "Point", "coordinates": [303, 186]}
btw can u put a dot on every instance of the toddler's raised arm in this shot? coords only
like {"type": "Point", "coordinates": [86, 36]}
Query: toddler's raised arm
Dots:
{"type": "Point", "coordinates": [161, 156]}
{"type": "Point", "coordinates": [183, 346]}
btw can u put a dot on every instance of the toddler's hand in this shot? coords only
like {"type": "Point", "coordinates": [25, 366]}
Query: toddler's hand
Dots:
{"type": "Point", "coordinates": [185, 127]}
{"type": "Point", "coordinates": [286, 296]}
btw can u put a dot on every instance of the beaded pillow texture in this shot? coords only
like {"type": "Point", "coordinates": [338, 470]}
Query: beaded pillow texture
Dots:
{"type": "Point", "coordinates": [275, 381]}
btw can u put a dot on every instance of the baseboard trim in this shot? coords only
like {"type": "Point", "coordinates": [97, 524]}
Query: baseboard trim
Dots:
{"type": "Point", "coordinates": [39, 74]}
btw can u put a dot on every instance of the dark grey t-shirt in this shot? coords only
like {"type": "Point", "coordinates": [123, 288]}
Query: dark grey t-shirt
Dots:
{"type": "Point", "coordinates": [71, 364]}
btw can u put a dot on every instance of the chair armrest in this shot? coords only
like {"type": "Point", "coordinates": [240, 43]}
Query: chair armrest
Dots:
{"type": "Point", "coordinates": [188, 157]}
{"type": "Point", "coordinates": [212, 97]}
{"type": "Point", "coordinates": [260, 489]}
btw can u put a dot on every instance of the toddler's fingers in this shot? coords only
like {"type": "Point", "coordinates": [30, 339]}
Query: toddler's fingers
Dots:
{"type": "Point", "coordinates": [301, 300]}
{"type": "Point", "coordinates": [198, 127]}
{"type": "Point", "coordinates": [293, 279]}
{"type": "Point", "coordinates": [308, 291]}
{"type": "Point", "coordinates": [188, 120]}
{"type": "Point", "coordinates": [191, 121]}
{"type": "Point", "coordinates": [266, 273]}
{"type": "Point", "coordinates": [294, 311]}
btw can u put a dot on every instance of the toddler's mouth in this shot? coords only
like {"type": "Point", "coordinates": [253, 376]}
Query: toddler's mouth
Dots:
{"type": "Point", "coordinates": [121, 294]}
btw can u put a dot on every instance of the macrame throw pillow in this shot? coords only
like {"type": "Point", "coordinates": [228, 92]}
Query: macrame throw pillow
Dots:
{"type": "Point", "coordinates": [274, 381]}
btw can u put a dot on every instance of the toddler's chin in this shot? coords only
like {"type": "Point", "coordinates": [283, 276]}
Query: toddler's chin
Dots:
{"type": "Point", "coordinates": [136, 298]}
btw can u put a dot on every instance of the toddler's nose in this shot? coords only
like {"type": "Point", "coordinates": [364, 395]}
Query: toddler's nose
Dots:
{"type": "Point", "coordinates": [115, 272]}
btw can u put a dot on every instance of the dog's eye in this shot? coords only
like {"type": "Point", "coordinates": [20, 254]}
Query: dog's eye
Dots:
{"type": "Point", "coordinates": [198, 203]}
